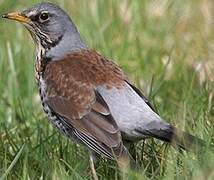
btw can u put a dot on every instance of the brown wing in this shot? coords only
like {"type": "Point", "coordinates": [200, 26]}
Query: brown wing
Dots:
{"type": "Point", "coordinates": [71, 93]}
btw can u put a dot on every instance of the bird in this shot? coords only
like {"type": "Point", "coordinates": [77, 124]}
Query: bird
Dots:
{"type": "Point", "coordinates": [85, 95]}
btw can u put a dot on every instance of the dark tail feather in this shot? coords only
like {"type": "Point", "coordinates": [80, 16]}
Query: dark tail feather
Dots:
{"type": "Point", "coordinates": [180, 139]}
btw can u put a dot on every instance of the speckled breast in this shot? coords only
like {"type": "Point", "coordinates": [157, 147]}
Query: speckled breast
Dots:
{"type": "Point", "coordinates": [54, 119]}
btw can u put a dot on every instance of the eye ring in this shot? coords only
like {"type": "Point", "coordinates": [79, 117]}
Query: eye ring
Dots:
{"type": "Point", "coordinates": [44, 16]}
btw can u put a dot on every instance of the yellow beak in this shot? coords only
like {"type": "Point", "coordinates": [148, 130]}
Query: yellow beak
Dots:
{"type": "Point", "coordinates": [17, 16]}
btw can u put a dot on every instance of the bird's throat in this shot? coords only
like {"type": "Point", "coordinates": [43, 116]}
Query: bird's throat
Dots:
{"type": "Point", "coordinates": [40, 51]}
{"type": "Point", "coordinates": [40, 60]}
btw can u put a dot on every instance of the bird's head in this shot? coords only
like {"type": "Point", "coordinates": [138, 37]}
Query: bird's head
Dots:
{"type": "Point", "coordinates": [49, 26]}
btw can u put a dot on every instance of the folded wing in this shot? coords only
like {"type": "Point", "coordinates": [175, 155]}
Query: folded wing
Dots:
{"type": "Point", "coordinates": [71, 93]}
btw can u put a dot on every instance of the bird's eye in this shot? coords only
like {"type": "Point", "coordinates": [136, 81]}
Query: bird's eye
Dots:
{"type": "Point", "coordinates": [44, 16]}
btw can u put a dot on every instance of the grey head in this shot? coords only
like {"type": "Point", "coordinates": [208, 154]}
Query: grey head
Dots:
{"type": "Point", "coordinates": [51, 28]}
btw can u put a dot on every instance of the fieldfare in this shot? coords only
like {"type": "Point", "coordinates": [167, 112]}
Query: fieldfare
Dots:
{"type": "Point", "coordinates": [86, 96]}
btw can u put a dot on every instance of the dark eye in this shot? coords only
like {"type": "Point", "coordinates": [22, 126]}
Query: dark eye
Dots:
{"type": "Point", "coordinates": [44, 16]}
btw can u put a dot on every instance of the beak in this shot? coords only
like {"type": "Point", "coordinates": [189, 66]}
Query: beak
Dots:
{"type": "Point", "coordinates": [17, 16]}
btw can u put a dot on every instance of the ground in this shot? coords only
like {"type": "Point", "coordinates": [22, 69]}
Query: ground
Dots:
{"type": "Point", "coordinates": [167, 49]}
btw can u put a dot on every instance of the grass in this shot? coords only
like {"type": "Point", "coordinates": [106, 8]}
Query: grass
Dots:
{"type": "Point", "coordinates": [157, 43]}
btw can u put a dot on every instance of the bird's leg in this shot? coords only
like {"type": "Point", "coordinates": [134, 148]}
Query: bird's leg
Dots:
{"type": "Point", "coordinates": [131, 148]}
{"type": "Point", "coordinates": [92, 167]}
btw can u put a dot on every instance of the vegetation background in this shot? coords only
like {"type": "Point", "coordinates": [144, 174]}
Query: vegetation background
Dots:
{"type": "Point", "coordinates": [167, 49]}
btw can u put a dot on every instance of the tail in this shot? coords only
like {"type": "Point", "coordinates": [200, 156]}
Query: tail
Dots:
{"type": "Point", "coordinates": [168, 133]}
{"type": "Point", "coordinates": [183, 140]}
